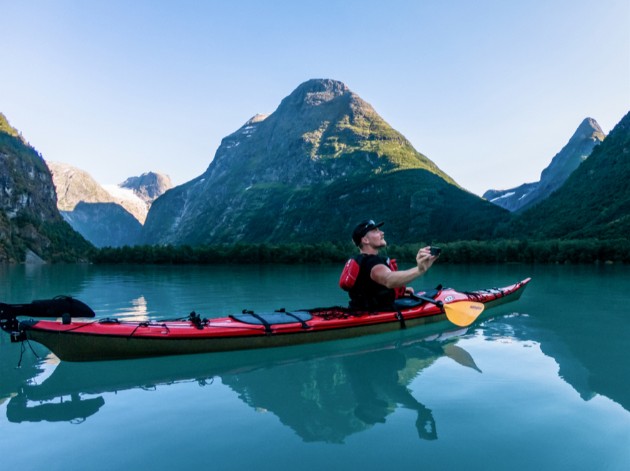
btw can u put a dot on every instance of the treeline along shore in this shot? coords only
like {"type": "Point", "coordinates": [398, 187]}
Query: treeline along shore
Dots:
{"type": "Point", "coordinates": [484, 252]}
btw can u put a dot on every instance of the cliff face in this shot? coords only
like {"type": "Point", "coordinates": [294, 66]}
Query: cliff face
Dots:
{"type": "Point", "coordinates": [74, 185]}
{"type": "Point", "coordinates": [30, 223]}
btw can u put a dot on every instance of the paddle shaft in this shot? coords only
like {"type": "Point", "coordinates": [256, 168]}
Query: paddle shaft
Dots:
{"type": "Point", "coordinates": [438, 303]}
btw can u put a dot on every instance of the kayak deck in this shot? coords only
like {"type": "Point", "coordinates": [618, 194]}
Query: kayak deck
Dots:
{"type": "Point", "coordinates": [108, 339]}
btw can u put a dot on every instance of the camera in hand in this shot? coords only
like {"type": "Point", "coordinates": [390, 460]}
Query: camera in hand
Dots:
{"type": "Point", "coordinates": [435, 251]}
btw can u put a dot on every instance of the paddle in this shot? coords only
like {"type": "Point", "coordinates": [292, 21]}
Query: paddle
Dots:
{"type": "Point", "coordinates": [461, 313]}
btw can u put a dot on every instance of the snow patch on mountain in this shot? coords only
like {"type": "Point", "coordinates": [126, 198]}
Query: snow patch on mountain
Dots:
{"type": "Point", "coordinates": [129, 200]}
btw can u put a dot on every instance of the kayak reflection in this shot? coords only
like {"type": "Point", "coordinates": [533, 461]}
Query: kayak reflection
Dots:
{"type": "Point", "coordinates": [324, 392]}
{"type": "Point", "coordinates": [74, 410]}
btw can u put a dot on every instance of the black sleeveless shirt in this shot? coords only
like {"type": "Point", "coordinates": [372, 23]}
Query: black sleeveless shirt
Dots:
{"type": "Point", "coordinates": [367, 294]}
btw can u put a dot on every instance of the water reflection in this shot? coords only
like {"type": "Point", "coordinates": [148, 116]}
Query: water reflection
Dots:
{"type": "Point", "coordinates": [74, 410]}
{"type": "Point", "coordinates": [589, 350]}
{"type": "Point", "coordinates": [137, 312]}
{"type": "Point", "coordinates": [327, 392]}
{"type": "Point", "coordinates": [323, 392]}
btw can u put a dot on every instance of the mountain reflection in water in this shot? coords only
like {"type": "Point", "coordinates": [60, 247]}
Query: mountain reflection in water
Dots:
{"type": "Point", "coordinates": [323, 392]}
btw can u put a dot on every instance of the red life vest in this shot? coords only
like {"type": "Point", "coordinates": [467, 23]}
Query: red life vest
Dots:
{"type": "Point", "coordinates": [351, 271]}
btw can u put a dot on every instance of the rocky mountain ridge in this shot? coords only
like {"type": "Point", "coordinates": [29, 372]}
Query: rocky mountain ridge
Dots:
{"type": "Point", "coordinates": [135, 195]}
{"type": "Point", "coordinates": [593, 203]}
{"type": "Point", "coordinates": [588, 135]}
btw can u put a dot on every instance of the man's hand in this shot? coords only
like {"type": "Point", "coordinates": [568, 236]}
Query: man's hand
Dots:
{"type": "Point", "coordinates": [424, 259]}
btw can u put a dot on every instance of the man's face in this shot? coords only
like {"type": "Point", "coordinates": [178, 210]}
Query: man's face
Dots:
{"type": "Point", "coordinates": [375, 238]}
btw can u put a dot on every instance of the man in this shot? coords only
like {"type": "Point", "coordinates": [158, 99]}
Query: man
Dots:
{"type": "Point", "coordinates": [378, 283]}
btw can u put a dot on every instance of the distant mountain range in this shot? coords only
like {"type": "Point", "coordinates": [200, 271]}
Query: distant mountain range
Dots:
{"type": "Point", "coordinates": [586, 137]}
{"type": "Point", "coordinates": [306, 173]}
{"type": "Point", "coordinates": [109, 215]}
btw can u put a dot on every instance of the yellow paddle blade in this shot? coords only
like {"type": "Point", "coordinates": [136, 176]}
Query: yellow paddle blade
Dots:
{"type": "Point", "coordinates": [463, 313]}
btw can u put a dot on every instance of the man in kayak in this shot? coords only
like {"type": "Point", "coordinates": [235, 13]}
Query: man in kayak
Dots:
{"type": "Point", "coordinates": [378, 283]}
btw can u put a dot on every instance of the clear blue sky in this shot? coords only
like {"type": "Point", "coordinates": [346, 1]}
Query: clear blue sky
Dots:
{"type": "Point", "coordinates": [490, 90]}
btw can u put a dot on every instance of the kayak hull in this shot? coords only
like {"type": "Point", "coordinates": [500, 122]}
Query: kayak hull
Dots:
{"type": "Point", "coordinates": [113, 340]}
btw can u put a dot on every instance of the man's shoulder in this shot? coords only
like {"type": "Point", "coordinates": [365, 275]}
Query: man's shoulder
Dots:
{"type": "Point", "coordinates": [371, 260]}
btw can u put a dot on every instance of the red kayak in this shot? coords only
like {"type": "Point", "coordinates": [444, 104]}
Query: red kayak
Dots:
{"type": "Point", "coordinates": [109, 339]}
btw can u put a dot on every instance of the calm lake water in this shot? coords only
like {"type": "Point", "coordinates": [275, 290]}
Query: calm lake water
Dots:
{"type": "Point", "coordinates": [543, 383]}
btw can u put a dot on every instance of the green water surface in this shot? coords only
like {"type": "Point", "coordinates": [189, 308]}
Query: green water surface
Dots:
{"type": "Point", "coordinates": [544, 383]}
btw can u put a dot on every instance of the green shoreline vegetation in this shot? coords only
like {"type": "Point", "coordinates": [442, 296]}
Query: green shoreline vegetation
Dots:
{"type": "Point", "coordinates": [586, 251]}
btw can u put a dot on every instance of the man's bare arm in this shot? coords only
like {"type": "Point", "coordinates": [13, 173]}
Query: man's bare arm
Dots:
{"type": "Point", "coordinates": [395, 279]}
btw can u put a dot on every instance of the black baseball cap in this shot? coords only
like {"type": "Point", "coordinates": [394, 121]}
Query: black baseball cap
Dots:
{"type": "Point", "coordinates": [363, 228]}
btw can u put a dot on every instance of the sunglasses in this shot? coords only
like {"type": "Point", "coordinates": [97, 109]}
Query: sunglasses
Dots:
{"type": "Point", "coordinates": [368, 226]}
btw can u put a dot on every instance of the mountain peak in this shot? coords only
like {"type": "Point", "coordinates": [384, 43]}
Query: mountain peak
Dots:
{"type": "Point", "coordinates": [580, 145]}
{"type": "Point", "coordinates": [318, 91]}
{"type": "Point", "coordinates": [323, 144]}
{"type": "Point", "coordinates": [6, 128]}
{"type": "Point", "coordinates": [319, 132]}
{"type": "Point", "coordinates": [589, 129]}
{"type": "Point", "coordinates": [593, 202]}
{"type": "Point", "coordinates": [148, 186]}
{"type": "Point", "coordinates": [317, 97]}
